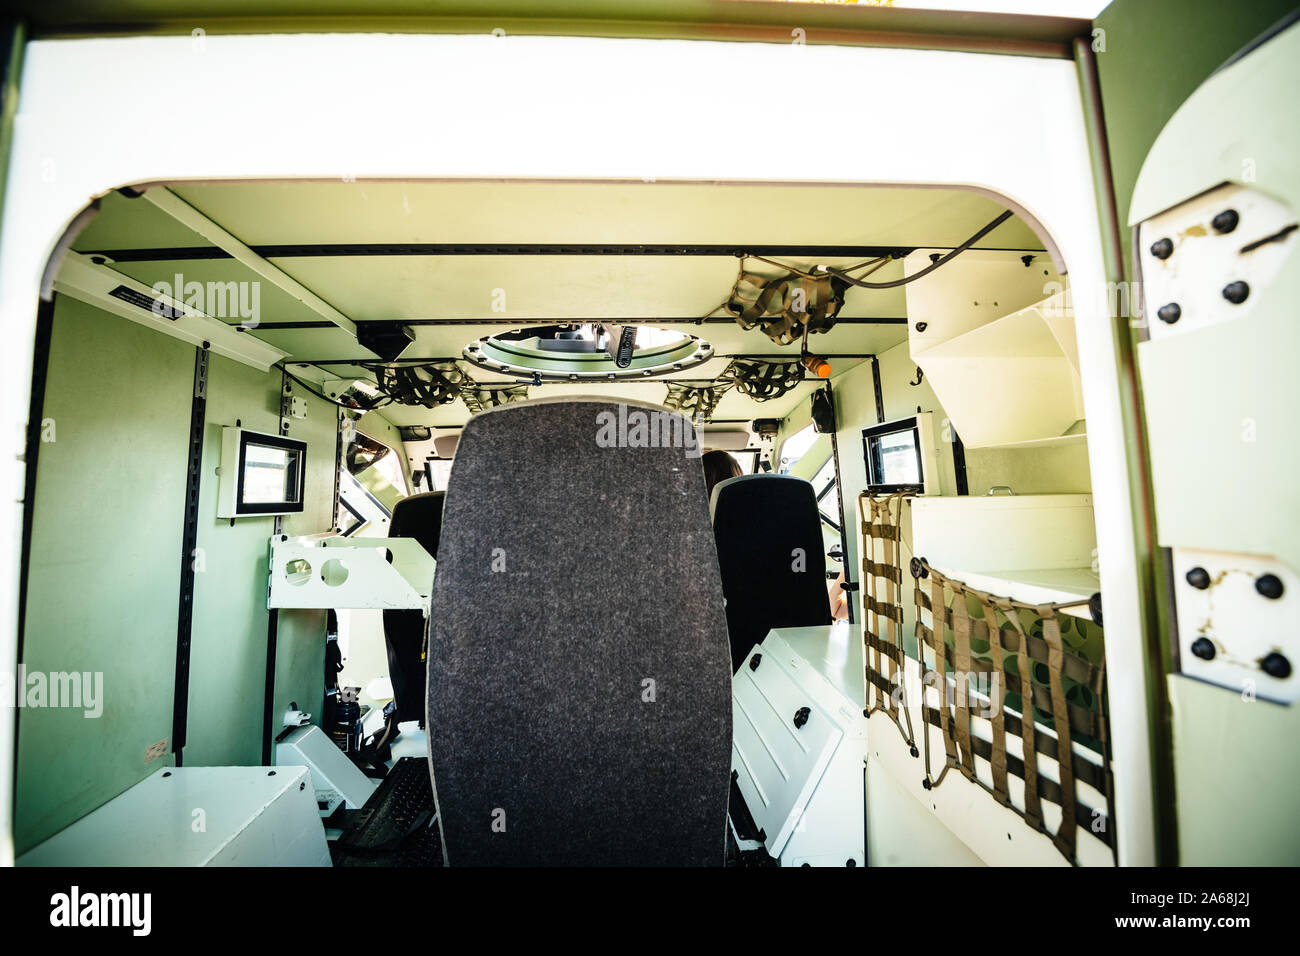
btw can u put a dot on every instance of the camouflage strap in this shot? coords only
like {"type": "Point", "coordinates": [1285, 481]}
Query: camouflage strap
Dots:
{"type": "Point", "coordinates": [763, 381]}
{"type": "Point", "coordinates": [882, 602]}
{"type": "Point", "coordinates": [784, 305]}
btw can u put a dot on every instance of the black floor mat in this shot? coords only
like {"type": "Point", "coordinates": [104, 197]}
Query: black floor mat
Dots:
{"type": "Point", "coordinates": [396, 827]}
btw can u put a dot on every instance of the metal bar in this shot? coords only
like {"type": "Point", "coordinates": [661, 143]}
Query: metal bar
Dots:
{"type": "Point", "coordinates": [525, 323]}
{"type": "Point", "coordinates": [189, 539]}
{"type": "Point", "coordinates": [230, 246]}
{"type": "Point", "coordinates": [971, 32]}
{"type": "Point", "coordinates": [839, 492]}
{"type": "Point", "coordinates": [334, 250]}
{"type": "Point", "coordinates": [1153, 616]}
{"type": "Point", "coordinates": [959, 461]}
{"type": "Point", "coordinates": [880, 398]}
{"type": "Point", "coordinates": [268, 697]}
{"type": "Point", "coordinates": [782, 357]}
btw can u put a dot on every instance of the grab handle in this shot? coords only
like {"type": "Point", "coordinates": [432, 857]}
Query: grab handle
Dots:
{"type": "Point", "coordinates": [996, 488]}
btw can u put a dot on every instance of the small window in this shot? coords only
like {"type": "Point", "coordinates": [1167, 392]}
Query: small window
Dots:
{"type": "Point", "coordinates": [893, 454]}
{"type": "Point", "coordinates": [796, 446]}
{"type": "Point", "coordinates": [261, 474]}
{"type": "Point", "coordinates": [438, 471]}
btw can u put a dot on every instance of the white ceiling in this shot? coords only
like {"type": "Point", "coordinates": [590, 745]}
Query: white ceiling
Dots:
{"type": "Point", "coordinates": [537, 287]}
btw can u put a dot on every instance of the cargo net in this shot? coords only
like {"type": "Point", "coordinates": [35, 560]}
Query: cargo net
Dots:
{"type": "Point", "coordinates": [980, 649]}
{"type": "Point", "coordinates": [440, 383]}
{"type": "Point", "coordinates": [764, 381]}
{"type": "Point", "coordinates": [479, 398]}
{"type": "Point", "coordinates": [428, 385]}
{"type": "Point", "coordinates": [697, 402]}
{"type": "Point", "coordinates": [883, 606]}
{"type": "Point", "coordinates": [785, 307]}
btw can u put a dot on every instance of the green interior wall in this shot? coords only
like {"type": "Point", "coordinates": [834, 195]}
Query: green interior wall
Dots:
{"type": "Point", "coordinates": [1157, 53]}
{"type": "Point", "coordinates": [1237, 764]}
{"type": "Point", "coordinates": [105, 561]}
{"type": "Point", "coordinates": [1228, 755]}
{"type": "Point", "coordinates": [228, 640]}
{"type": "Point", "coordinates": [105, 571]}
{"type": "Point", "coordinates": [300, 641]}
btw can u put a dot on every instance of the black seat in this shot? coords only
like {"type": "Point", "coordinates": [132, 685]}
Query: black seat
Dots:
{"type": "Point", "coordinates": [418, 517]}
{"type": "Point", "coordinates": [579, 689]}
{"type": "Point", "coordinates": [771, 554]}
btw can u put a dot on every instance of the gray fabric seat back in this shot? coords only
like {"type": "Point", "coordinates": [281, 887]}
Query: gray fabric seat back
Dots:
{"type": "Point", "coordinates": [579, 708]}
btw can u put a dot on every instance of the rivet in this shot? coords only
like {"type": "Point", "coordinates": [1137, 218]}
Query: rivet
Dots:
{"type": "Point", "coordinates": [1225, 221]}
{"type": "Point", "coordinates": [1269, 585]}
{"type": "Point", "coordinates": [1170, 313]}
{"type": "Point", "coordinates": [1162, 248]}
{"type": "Point", "coordinates": [1203, 648]}
{"type": "Point", "coordinates": [1276, 665]}
{"type": "Point", "coordinates": [1236, 292]}
{"type": "Point", "coordinates": [1198, 578]}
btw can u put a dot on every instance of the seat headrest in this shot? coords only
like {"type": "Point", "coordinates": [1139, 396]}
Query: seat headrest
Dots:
{"type": "Point", "coordinates": [579, 704]}
{"type": "Point", "coordinates": [419, 517]}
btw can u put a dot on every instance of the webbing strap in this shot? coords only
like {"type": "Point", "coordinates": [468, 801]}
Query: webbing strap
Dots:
{"type": "Point", "coordinates": [961, 665]}
{"type": "Point", "coordinates": [1082, 721]}
{"type": "Point", "coordinates": [998, 755]}
{"type": "Point", "coordinates": [884, 657]}
{"type": "Point", "coordinates": [1033, 809]}
{"type": "Point", "coordinates": [953, 715]}
{"type": "Point", "coordinates": [1049, 789]}
{"type": "Point", "coordinates": [938, 620]}
{"type": "Point", "coordinates": [1065, 836]}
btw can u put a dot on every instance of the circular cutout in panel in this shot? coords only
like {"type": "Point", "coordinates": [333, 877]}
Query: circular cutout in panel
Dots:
{"type": "Point", "coordinates": [588, 351]}
{"type": "Point", "coordinates": [334, 573]}
{"type": "Point", "coordinates": [297, 572]}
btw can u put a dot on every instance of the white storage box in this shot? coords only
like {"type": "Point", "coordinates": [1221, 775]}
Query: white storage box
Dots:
{"type": "Point", "coordinates": [1004, 532]}
{"type": "Point", "coordinates": [198, 816]}
{"type": "Point", "coordinates": [803, 782]}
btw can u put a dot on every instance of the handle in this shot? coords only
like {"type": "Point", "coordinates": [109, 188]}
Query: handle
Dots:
{"type": "Point", "coordinates": [996, 488]}
{"type": "Point", "coordinates": [801, 716]}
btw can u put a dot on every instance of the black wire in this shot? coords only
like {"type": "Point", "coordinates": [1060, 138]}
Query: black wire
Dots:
{"type": "Point", "coordinates": [928, 269]}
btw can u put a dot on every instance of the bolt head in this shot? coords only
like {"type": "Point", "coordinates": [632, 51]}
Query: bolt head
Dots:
{"type": "Point", "coordinates": [1162, 248]}
{"type": "Point", "coordinates": [1276, 665]}
{"type": "Point", "coordinates": [1269, 585]}
{"type": "Point", "coordinates": [1236, 292]}
{"type": "Point", "coordinates": [1225, 221]}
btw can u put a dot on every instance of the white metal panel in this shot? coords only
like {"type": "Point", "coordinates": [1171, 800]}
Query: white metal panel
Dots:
{"type": "Point", "coordinates": [1204, 261]}
{"type": "Point", "coordinates": [335, 779]}
{"type": "Point", "coordinates": [1004, 532]}
{"type": "Point", "coordinates": [85, 280]}
{"type": "Point", "coordinates": [198, 816]}
{"type": "Point", "coordinates": [337, 572]}
{"type": "Point", "coordinates": [1240, 624]}
{"type": "Point", "coordinates": [778, 765]}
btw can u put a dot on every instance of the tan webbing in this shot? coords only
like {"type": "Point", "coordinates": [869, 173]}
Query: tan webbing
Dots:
{"type": "Point", "coordinates": [998, 759]}
{"type": "Point", "coordinates": [882, 601]}
{"type": "Point", "coordinates": [953, 715]}
{"type": "Point", "coordinates": [1065, 836]}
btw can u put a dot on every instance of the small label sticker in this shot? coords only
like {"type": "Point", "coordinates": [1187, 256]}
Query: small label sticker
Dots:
{"type": "Point", "coordinates": [154, 751]}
